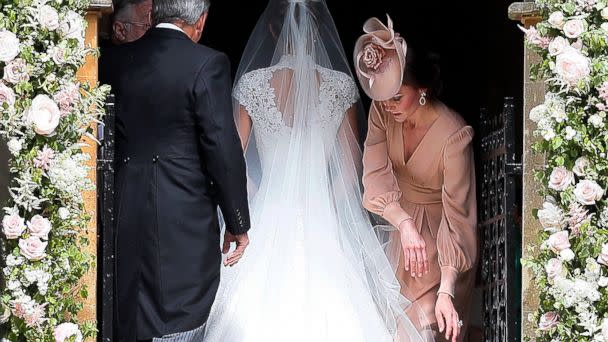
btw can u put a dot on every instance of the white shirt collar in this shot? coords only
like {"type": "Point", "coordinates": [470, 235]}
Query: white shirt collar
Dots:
{"type": "Point", "coordinates": [169, 26]}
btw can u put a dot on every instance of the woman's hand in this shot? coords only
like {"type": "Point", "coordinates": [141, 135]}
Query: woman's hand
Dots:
{"type": "Point", "coordinates": [414, 249]}
{"type": "Point", "coordinates": [447, 317]}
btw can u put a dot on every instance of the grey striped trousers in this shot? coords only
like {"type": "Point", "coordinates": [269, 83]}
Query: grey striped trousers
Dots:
{"type": "Point", "coordinates": [195, 335]}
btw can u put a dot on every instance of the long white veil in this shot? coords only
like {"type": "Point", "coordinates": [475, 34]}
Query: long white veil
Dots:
{"type": "Point", "coordinates": [303, 157]}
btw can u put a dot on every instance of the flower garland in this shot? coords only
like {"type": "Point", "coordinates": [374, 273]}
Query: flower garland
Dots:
{"type": "Point", "coordinates": [44, 113]}
{"type": "Point", "coordinates": [571, 265]}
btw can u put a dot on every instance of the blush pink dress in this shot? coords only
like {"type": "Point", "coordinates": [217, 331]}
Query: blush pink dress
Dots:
{"type": "Point", "coordinates": [435, 187]}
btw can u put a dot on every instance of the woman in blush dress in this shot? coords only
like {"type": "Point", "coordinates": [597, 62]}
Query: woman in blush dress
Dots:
{"type": "Point", "coordinates": [314, 271]}
{"type": "Point", "coordinates": [419, 176]}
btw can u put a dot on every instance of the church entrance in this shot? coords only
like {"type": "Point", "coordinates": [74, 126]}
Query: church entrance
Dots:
{"type": "Point", "coordinates": [482, 68]}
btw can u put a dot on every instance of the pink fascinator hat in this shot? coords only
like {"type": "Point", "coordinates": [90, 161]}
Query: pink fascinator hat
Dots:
{"type": "Point", "coordinates": [380, 59]}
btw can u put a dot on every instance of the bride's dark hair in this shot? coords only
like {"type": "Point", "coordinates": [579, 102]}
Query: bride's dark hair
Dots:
{"type": "Point", "coordinates": [422, 70]}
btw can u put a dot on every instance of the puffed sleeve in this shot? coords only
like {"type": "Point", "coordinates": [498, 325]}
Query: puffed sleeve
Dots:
{"type": "Point", "coordinates": [381, 195]}
{"type": "Point", "coordinates": [457, 235]}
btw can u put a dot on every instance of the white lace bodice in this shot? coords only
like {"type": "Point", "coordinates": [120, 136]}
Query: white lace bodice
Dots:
{"type": "Point", "coordinates": [337, 93]}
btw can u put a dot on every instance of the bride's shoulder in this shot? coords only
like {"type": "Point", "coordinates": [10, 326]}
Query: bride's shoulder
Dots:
{"type": "Point", "coordinates": [341, 83]}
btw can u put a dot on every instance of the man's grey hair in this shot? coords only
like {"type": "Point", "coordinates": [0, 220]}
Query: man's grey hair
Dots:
{"type": "Point", "coordinates": [188, 11]}
{"type": "Point", "coordinates": [124, 9]}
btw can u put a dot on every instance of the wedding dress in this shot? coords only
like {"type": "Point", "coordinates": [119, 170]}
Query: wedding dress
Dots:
{"type": "Point", "coordinates": [314, 270]}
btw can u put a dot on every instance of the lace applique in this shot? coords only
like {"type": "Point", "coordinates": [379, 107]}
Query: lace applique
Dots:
{"type": "Point", "coordinates": [337, 93]}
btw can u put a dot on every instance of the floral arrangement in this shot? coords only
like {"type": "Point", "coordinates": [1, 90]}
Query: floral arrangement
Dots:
{"type": "Point", "coordinates": [571, 264]}
{"type": "Point", "coordinates": [44, 113]}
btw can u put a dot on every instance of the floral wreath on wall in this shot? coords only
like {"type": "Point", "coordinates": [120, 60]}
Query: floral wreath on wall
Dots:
{"type": "Point", "coordinates": [44, 113]}
{"type": "Point", "coordinates": [571, 265]}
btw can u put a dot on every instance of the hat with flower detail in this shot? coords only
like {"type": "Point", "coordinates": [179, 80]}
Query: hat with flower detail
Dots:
{"type": "Point", "coordinates": [380, 59]}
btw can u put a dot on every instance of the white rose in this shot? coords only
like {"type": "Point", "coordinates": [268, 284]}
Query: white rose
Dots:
{"type": "Point", "coordinates": [580, 166]}
{"type": "Point", "coordinates": [48, 17]}
{"type": "Point", "coordinates": [32, 248]}
{"type": "Point", "coordinates": [596, 121]}
{"type": "Point", "coordinates": [603, 257]}
{"type": "Point", "coordinates": [63, 213]}
{"type": "Point", "coordinates": [13, 226]}
{"type": "Point", "coordinates": [65, 330]}
{"type": "Point", "coordinates": [572, 66]}
{"type": "Point", "coordinates": [15, 146]}
{"type": "Point", "coordinates": [44, 115]}
{"type": "Point", "coordinates": [9, 46]}
{"type": "Point", "coordinates": [602, 282]}
{"type": "Point", "coordinates": [556, 19]}
{"type": "Point", "coordinates": [605, 13]}
{"type": "Point", "coordinates": [554, 268]}
{"type": "Point", "coordinates": [558, 45]}
{"type": "Point", "coordinates": [604, 26]}
{"type": "Point", "coordinates": [573, 28]}
{"type": "Point", "coordinates": [7, 95]}
{"type": "Point", "coordinates": [551, 217]}
{"type": "Point", "coordinates": [39, 227]}
{"type": "Point", "coordinates": [570, 133]}
{"type": "Point", "coordinates": [561, 178]}
{"type": "Point", "coordinates": [16, 71]}
{"type": "Point", "coordinates": [72, 26]}
{"type": "Point", "coordinates": [588, 192]}
{"type": "Point", "coordinates": [559, 241]}
{"type": "Point", "coordinates": [567, 254]}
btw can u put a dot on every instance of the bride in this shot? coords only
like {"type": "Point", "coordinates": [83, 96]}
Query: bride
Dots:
{"type": "Point", "coordinates": [315, 270]}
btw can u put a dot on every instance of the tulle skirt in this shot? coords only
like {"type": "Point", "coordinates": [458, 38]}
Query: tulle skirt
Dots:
{"type": "Point", "coordinates": [309, 276]}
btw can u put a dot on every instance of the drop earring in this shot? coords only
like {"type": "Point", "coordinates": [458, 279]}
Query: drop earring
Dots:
{"type": "Point", "coordinates": [422, 99]}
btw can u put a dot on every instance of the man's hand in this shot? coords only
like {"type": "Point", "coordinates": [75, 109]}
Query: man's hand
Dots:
{"type": "Point", "coordinates": [242, 241]}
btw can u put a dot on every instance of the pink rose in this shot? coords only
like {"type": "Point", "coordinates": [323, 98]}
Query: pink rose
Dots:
{"type": "Point", "coordinates": [13, 226]}
{"type": "Point", "coordinates": [65, 330]}
{"type": "Point", "coordinates": [44, 157]}
{"type": "Point", "coordinates": [557, 46]}
{"type": "Point", "coordinates": [548, 320]}
{"type": "Point", "coordinates": [48, 17]}
{"type": "Point", "coordinates": [6, 96]}
{"type": "Point", "coordinates": [372, 56]}
{"type": "Point", "coordinates": [33, 248]}
{"type": "Point", "coordinates": [600, 106]}
{"type": "Point", "coordinates": [43, 115]}
{"type": "Point", "coordinates": [572, 66]}
{"type": "Point", "coordinates": [16, 71]}
{"type": "Point", "coordinates": [561, 178]}
{"type": "Point", "coordinates": [39, 227]}
{"type": "Point", "coordinates": [588, 192]}
{"type": "Point", "coordinates": [559, 241]}
{"type": "Point", "coordinates": [603, 257]}
{"type": "Point", "coordinates": [57, 53]}
{"type": "Point", "coordinates": [9, 46]}
{"type": "Point", "coordinates": [573, 28]}
{"type": "Point", "coordinates": [554, 268]}
{"type": "Point", "coordinates": [67, 97]}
